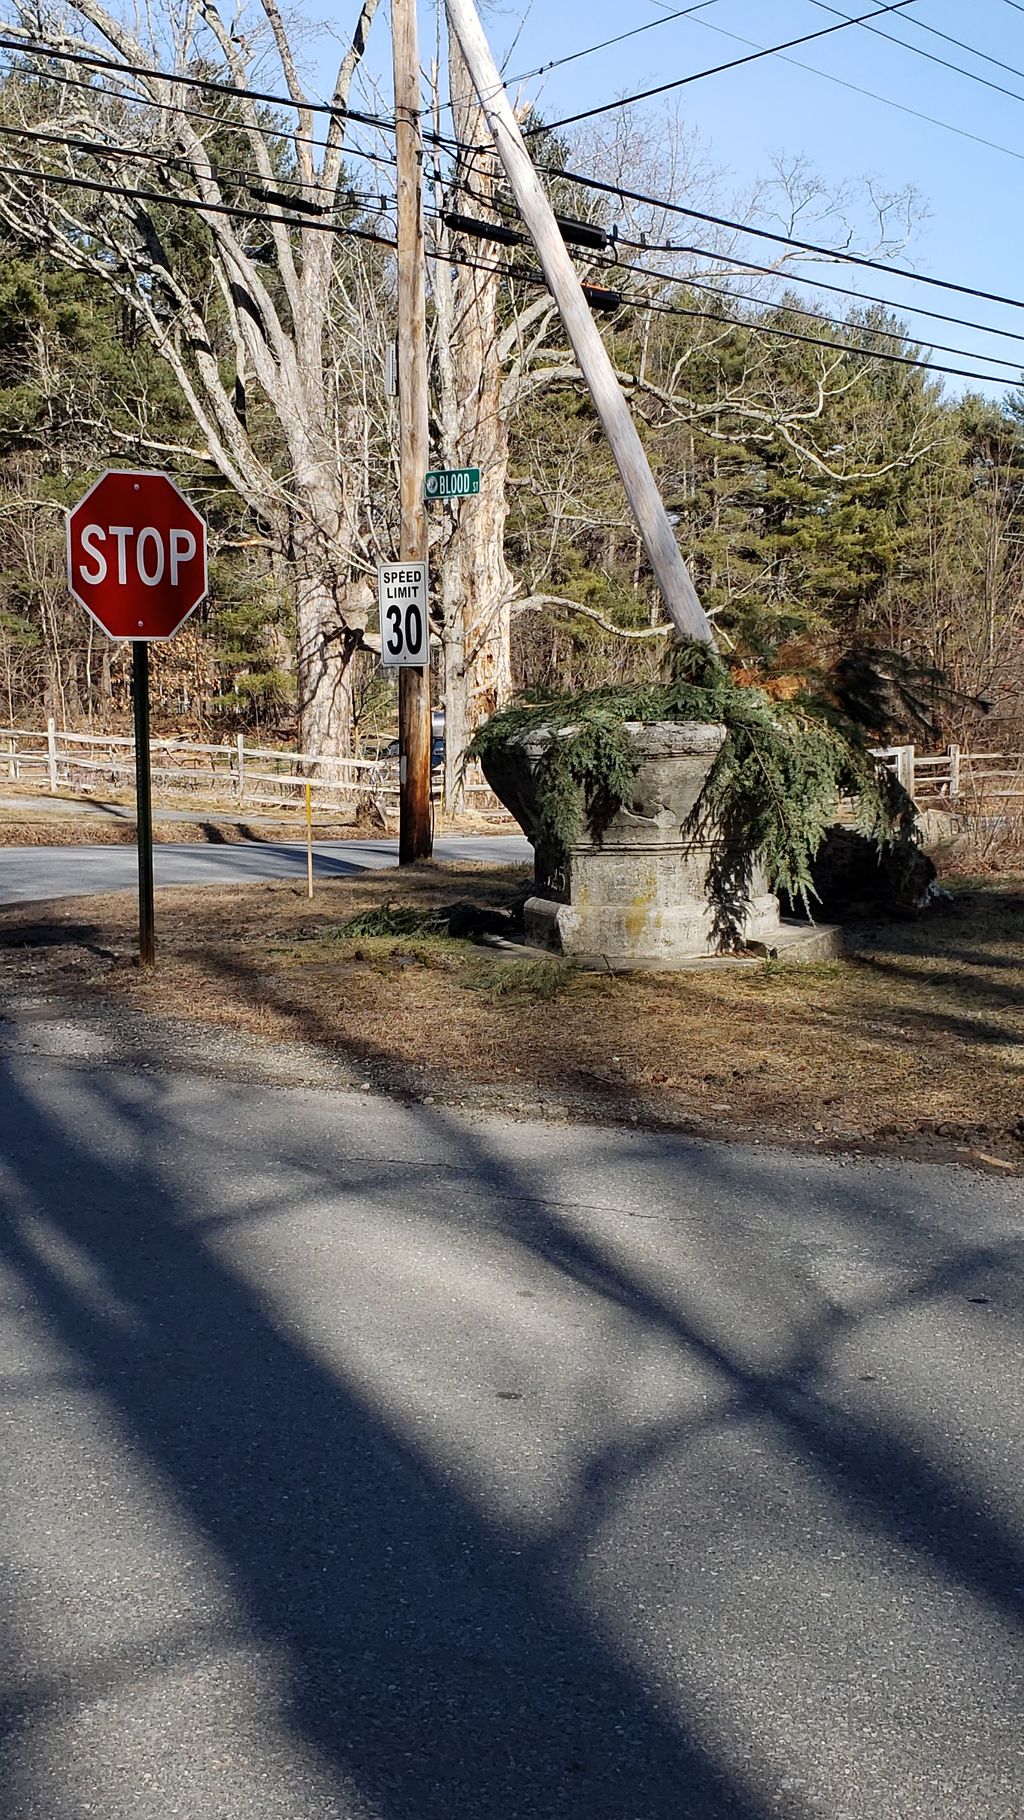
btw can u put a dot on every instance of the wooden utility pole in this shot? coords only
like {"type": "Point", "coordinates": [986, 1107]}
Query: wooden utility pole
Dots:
{"type": "Point", "coordinates": [415, 836]}
{"type": "Point", "coordinates": [678, 592]}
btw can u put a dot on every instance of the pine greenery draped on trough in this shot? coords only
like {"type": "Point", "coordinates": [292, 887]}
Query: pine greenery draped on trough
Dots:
{"type": "Point", "coordinates": [773, 790]}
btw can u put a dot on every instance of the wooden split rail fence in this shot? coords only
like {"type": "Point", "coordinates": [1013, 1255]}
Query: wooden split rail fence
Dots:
{"type": "Point", "coordinates": [956, 776]}
{"type": "Point", "coordinates": [236, 775]}
{"type": "Point", "coordinates": [259, 777]}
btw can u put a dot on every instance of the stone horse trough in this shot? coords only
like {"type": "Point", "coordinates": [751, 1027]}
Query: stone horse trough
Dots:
{"type": "Point", "coordinates": [645, 891]}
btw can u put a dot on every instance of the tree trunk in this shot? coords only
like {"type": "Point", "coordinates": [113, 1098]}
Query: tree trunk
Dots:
{"type": "Point", "coordinates": [330, 616]}
{"type": "Point", "coordinates": [324, 656]}
{"type": "Point", "coordinates": [478, 662]}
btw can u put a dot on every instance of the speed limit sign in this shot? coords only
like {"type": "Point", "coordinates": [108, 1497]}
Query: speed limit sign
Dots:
{"type": "Point", "coordinates": [404, 625]}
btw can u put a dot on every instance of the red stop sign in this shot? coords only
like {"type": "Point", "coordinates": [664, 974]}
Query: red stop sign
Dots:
{"type": "Point", "coordinates": [136, 555]}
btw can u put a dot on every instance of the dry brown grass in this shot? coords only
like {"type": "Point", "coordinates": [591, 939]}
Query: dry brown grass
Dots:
{"type": "Point", "coordinates": [915, 1043]}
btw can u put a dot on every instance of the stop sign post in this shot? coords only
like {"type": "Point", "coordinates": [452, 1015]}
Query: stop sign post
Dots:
{"type": "Point", "coordinates": [137, 564]}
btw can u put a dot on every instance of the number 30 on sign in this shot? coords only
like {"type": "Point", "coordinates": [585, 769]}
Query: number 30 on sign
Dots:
{"type": "Point", "coordinates": [404, 625]}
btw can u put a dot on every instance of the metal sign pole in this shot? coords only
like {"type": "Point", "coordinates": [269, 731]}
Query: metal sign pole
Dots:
{"type": "Point", "coordinates": [143, 802]}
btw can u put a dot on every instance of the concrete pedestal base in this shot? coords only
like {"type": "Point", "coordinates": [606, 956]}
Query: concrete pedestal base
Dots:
{"type": "Point", "coordinates": [641, 893]}
{"type": "Point", "coordinates": [638, 907]}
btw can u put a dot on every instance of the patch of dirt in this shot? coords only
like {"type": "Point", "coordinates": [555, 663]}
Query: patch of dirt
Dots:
{"type": "Point", "coordinates": [913, 1046]}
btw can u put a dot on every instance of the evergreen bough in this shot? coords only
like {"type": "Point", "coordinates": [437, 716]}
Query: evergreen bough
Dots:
{"type": "Point", "coordinates": [772, 792]}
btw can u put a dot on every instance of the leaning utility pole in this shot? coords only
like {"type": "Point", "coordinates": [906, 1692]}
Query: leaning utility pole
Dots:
{"type": "Point", "coordinates": [415, 837]}
{"type": "Point", "coordinates": [678, 592]}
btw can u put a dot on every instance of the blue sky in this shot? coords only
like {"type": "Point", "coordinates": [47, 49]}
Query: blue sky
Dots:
{"type": "Point", "coordinates": [970, 191]}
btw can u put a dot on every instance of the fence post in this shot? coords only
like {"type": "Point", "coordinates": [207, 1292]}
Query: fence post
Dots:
{"type": "Point", "coordinates": [51, 753]}
{"type": "Point", "coordinates": [240, 745]}
{"type": "Point", "coordinates": [12, 767]}
{"type": "Point", "coordinates": [954, 770]}
{"type": "Point", "coordinates": [905, 768]}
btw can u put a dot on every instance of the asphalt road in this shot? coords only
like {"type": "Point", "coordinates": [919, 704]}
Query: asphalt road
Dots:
{"type": "Point", "coordinates": [368, 1460]}
{"type": "Point", "coordinates": [31, 873]}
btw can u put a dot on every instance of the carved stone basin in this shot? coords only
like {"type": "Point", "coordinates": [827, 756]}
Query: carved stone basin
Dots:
{"type": "Point", "coordinates": [642, 893]}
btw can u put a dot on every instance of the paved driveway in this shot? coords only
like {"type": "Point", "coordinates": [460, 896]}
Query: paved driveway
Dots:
{"type": "Point", "coordinates": [31, 873]}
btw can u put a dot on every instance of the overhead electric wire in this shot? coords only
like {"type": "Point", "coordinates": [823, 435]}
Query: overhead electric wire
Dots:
{"type": "Point", "coordinates": [856, 88]}
{"type": "Point", "coordinates": [273, 132]}
{"type": "Point", "coordinates": [523, 274]}
{"type": "Point", "coordinates": [166, 199]}
{"type": "Point", "coordinates": [791, 309]}
{"type": "Point", "coordinates": [819, 341]}
{"type": "Point", "coordinates": [380, 124]}
{"type": "Point", "coordinates": [147, 72]}
{"type": "Point", "coordinates": [248, 177]}
{"type": "Point", "coordinates": [918, 50]}
{"type": "Point", "coordinates": [447, 142]}
{"type": "Point", "coordinates": [98, 148]}
{"type": "Point", "coordinates": [806, 246]}
{"type": "Point", "coordinates": [664, 88]}
{"type": "Point", "coordinates": [240, 126]}
{"type": "Point", "coordinates": [962, 45]}
{"type": "Point", "coordinates": [350, 198]}
{"type": "Point", "coordinates": [823, 284]}
{"type": "Point", "coordinates": [612, 265]}
{"type": "Point", "coordinates": [557, 63]}
{"type": "Point", "coordinates": [802, 278]}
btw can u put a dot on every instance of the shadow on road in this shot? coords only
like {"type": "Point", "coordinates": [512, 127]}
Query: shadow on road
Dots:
{"type": "Point", "coordinates": [441, 1661]}
{"type": "Point", "coordinates": [438, 1664]}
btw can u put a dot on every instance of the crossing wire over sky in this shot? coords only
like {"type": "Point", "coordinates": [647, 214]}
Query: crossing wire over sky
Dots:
{"type": "Point", "coordinates": [524, 274]}
{"type": "Point", "coordinates": [354, 198]}
{"type": "Point", "coordinates": [918, 50]}
{"type": "Point", "coordinates": [299, 203]}
{"type": "Point", "coordinates": [771, 50]}
{"type": "Point", "coordinates": [449, 143]}
{"type": "Point", "coordinates": [870, 94]}
{"type": "Point", "coordinates": [381, 123]}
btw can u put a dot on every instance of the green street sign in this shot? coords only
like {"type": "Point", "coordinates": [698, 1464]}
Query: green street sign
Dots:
{"type": "Point", "coordinates": [451, 483]}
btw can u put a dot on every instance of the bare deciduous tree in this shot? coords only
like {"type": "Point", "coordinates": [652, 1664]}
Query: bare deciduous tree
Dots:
{"type": "Point", "coordinates": [236, 289]}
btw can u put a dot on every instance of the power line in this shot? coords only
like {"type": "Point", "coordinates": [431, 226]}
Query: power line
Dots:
{"type": "Point", "coordinates": [557, 63]}
{"type": "Point", "coordinates": [168, 107]}
{"type": "Point", "coordinates": [801, 278]}
{"type": "Point", "coordinates": [523, 274]}
{"type": "Point", "coordinates": [856, 88]}
{"type": "Point", "coordinates": [665, 88]}
{"type": "Point", "coordinates": [962, 45]}
{"type": "Point", "coordinates": [837, 322]}
{"type": "Point", "coordinates": [822, 284]}
{"type": "Point", "coordinates": [448, 143]}
{"type": "Point", "coordinates": [164, 199]}
{"type": "Point", "coordinates": [819, 341]}
{"type": "Point", "coordinates": [465, 227]}
{"type": "Point", "coordinates": [146, 72]}
{"type": "Point", "coordinates": [918, 50]}
{"type": "Point", "coordinates": [256, 187]}
{"type": "Point", "coordinates": [95, 60]}
{"type": "Point", "coordinates": [804, 246]}
{"type": "Point", "coordinates": [252, 179]}
{"type": "Point", "coordinates": [265, 129]}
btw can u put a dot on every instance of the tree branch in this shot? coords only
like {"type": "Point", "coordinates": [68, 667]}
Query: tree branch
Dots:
{"type": "Point", "coordinates": [535, 603]}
